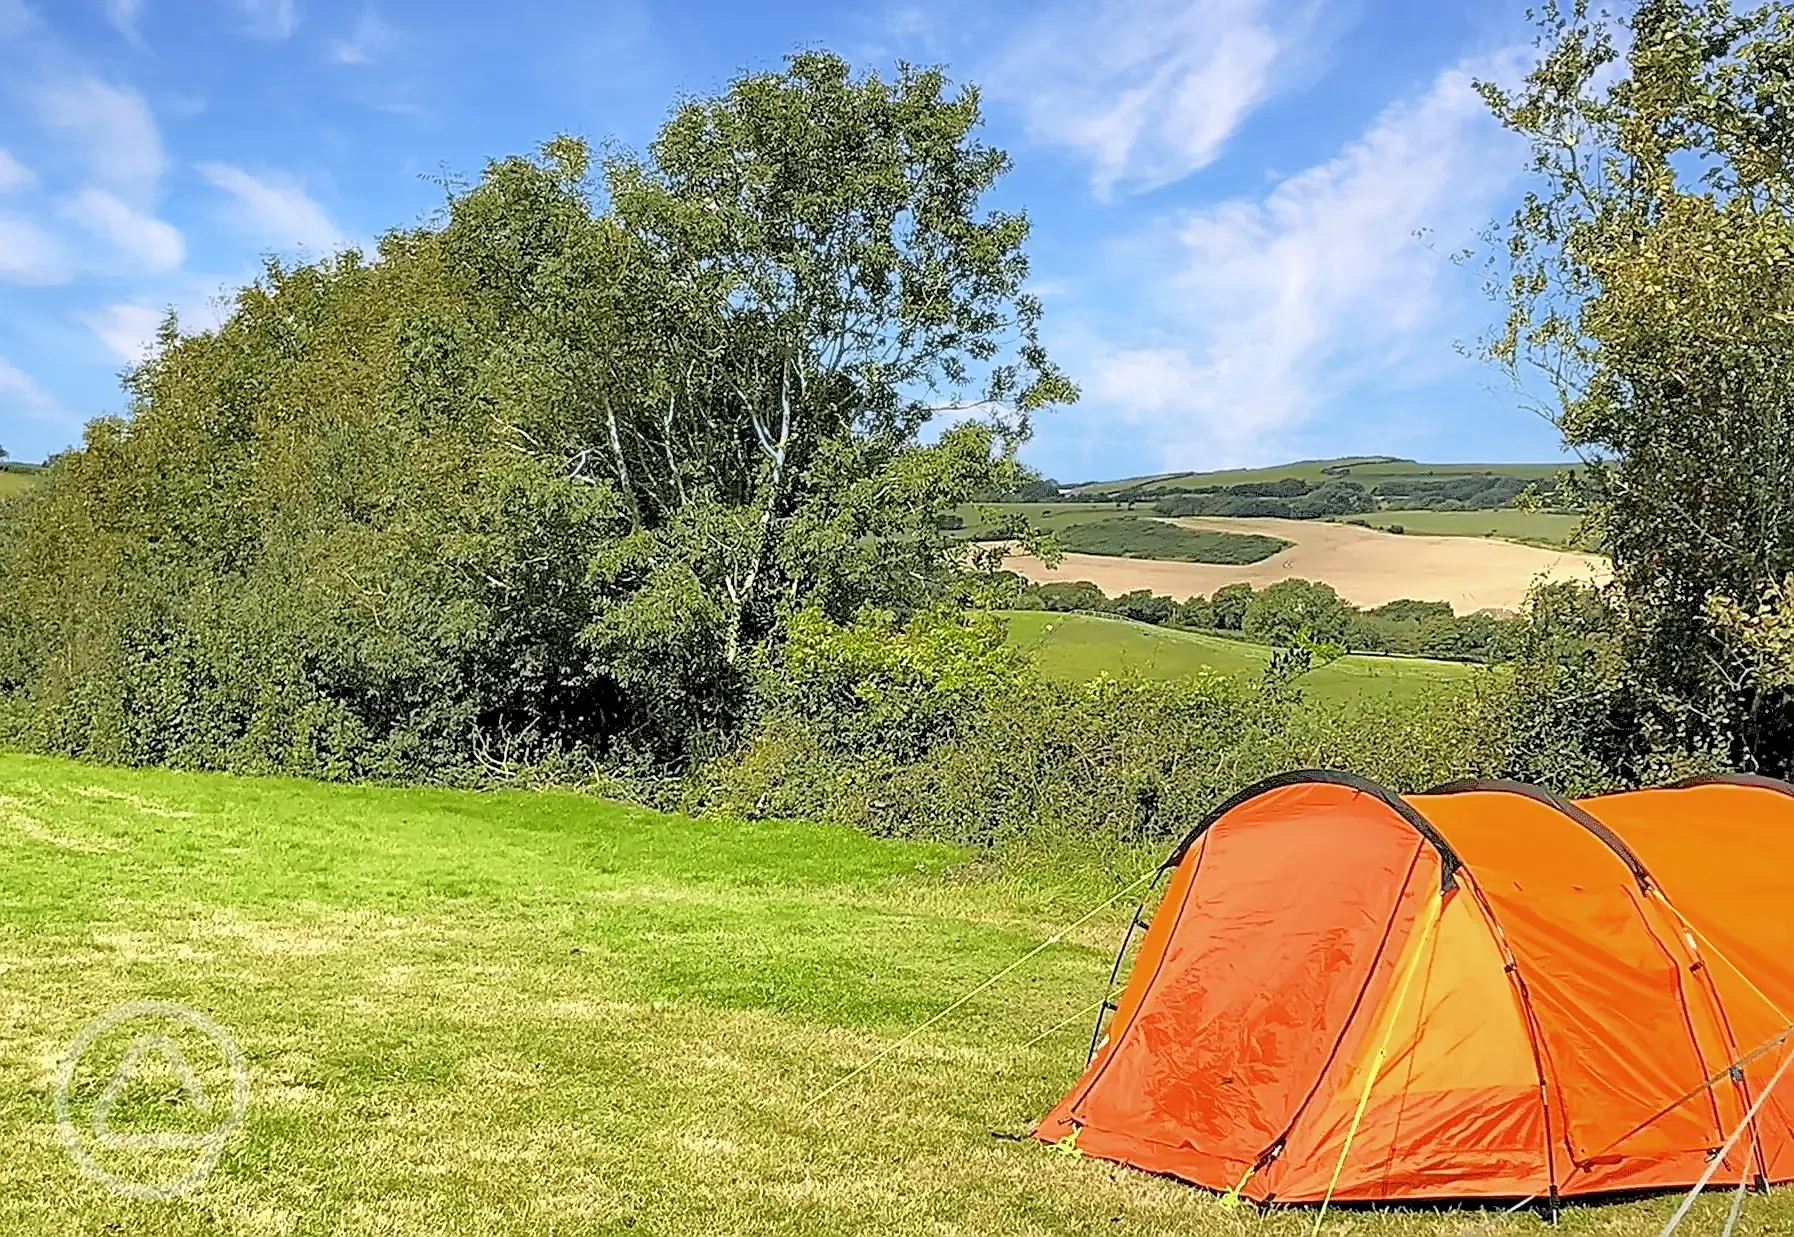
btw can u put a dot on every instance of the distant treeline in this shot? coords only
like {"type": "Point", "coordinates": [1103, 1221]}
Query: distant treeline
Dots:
{"type": "Point", "coordinates": [1296, 612]}
{"type": "Point", "coordinates": [1296, 498]}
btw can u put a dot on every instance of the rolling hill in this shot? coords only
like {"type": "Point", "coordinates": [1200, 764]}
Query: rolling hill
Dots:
{"type": "Point", "coordinates": [1369, 471]}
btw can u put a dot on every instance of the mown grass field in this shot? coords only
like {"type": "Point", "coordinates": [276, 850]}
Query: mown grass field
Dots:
{"type": "Point", "coordinates": [15, 481]}
{"type": "Point", "coordinates": [1544, 528]}
{"type": "Point", "coordinates": [1078, 647]}
{"type": "Point", "coordinates": [541, 1013]}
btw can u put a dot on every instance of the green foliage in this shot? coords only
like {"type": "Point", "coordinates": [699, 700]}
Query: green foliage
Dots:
{"type": "Point", "coordinates": [1136, 537]}
{"type": "Point", "coordinates": [1127, 759]}
{"type": "Point", "coordinates": [1229, 606]}
{"type": "Point", "coordinates": [878, 685]}
{"type": "Point", "coordinates": [1143, 606]}
{"type": "Point", "coordinates": [1194, 613]}
{"type": "Point", "coordinates": [1293, 610]}
{"type": "Point", "coordinates": [1649, 282]}
{"type": "Point", "coordinates": [549, 477]}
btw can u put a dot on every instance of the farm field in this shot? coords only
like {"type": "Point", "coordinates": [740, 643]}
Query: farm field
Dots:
{"type": "Point", "coordinates": [1078, 647]}
{"type": "Point", "coordinates": [1365, 566]}
{"type": "Point", "coordinates": [538, 1012]}
{"type": "Point", "coordinates": [1543, 528]}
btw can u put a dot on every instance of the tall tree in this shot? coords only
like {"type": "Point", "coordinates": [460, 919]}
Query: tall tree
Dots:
{"type": "Point", "coordinates": [1651, 282]}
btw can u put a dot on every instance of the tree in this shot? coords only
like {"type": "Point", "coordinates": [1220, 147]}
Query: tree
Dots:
{"type": "Point", "coordinates": [555, 474]}
{"type": "Point", "coordinates": [1292, 611]}
{"type": "Point", "coordinates": [840, 288]}
{"type": "Point", "coordinates": [1144, 606]}
{"type": "Point", "coordinates": [1195, 613]}
{"type": "Point", "coordinates": [1229, 604]}
{"type": "Point", "coordinates": [1650, 283]}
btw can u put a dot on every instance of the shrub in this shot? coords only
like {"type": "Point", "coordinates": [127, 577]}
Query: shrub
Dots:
{"type": "Point", "coordinates": [1128, 761]}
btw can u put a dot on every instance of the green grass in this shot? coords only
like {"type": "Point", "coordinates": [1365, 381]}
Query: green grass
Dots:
{"type": "Point", "coordinates": [1078, 647]}
{"type": "Point", "coordinates": [1544, 528]}
{"type": "Point", "coordinates": [14, 480]}
{"type": "Point", "coordinates": [1135, 537]}
{"type": "Point", "coordinates": [540, 1013]}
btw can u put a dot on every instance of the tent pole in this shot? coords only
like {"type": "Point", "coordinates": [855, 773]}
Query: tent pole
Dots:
{"type": "Point", "coordinates": [1127, 938]}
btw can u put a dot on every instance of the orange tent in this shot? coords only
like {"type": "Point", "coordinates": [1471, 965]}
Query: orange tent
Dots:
{"type": "Point", "coordinates": [1484, 991]}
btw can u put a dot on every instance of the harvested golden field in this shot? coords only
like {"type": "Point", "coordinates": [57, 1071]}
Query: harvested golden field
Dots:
{"type": "Point", "coordinates": [1366, 566]}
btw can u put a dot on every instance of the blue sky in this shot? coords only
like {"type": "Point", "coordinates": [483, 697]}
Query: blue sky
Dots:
{"type": "Point", "coordinates": [1245, 210]}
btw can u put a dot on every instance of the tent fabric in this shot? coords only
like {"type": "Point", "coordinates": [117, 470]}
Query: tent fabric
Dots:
{"type": "Point", "coordinates": [1551, 995]}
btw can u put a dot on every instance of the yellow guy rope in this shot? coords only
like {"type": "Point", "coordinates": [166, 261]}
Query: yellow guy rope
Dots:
{"type": "Point", "coordinates": [1434, 905]}
{"type": "Point", "coordinates": [992, 981]}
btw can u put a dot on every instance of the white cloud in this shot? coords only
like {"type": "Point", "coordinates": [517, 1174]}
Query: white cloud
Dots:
{"type": "Point", "coordinates": [19, 394]}
{"type": "Point", "coordinates": [128, 328]}
{"type": "Point", "coordinates": [156, 245]}
{"type": "Point", "coordinates": [1148, 90]}
{"type": "Point", "coordinates": [114, 130]}
{"type": "Point", "coordinates": [369, 41]}
{"type": "Point", "coordinates": [30, 255]}
{"type": "Point", "coordinates": [269, 19]}
{"type": "Point", "coordinates": [276, 210]}
{"type": "Point", "coordinates": [123, 16]}
{"type": "Point", "coordinates": [1280, 303]}
{"type": "Point", "coordinates": [13, 174]}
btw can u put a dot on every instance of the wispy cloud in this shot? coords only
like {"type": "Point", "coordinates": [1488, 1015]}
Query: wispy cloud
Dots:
{"type": "Point", "coordinates": [274, 210]}
{"type": "Point", "coordinates": [269, 19]}
{"type": "Point", "coordinates": [122, 14]}
{"type": "Point", "coordinates": [30, 255]}
{"type": "Point", "coordinates": [14, 175]}
{"type": "Point", "coordinates": [1279, 304]}
{"type": "Point", "coordinates": [369, 41]}
{"type": "Point", "coordinates": [20, 395]}
{"type": "Point", "coordinates": [1148, 91]}
{"type": "Point", "coordinates": [112, 128]}
{"type": "Point", "coordinates": [128, 328]}
{"type": "Point", "coordinates": [151, 243]}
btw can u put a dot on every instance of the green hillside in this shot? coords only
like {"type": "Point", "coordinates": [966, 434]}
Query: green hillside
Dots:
{"type": "Point", "coordinates": [1078, 647]}
{"type": "Point", "coordinates": [1366, 470]}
